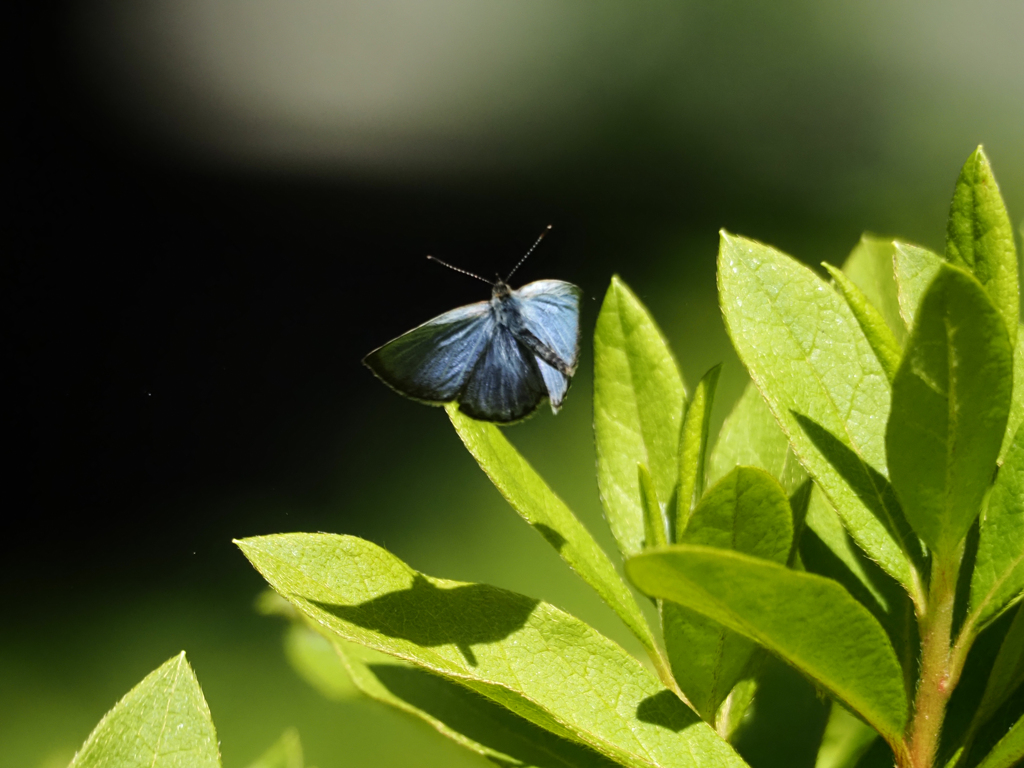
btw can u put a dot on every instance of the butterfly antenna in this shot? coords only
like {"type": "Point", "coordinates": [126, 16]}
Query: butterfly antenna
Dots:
{"type": "Point", "coordinates": [532, 247]}
{"type": "Point", "coordinates": [464, 272]}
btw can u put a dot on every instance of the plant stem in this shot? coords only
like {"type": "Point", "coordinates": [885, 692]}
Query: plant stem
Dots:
{"type": "Point", "coordinates": [965, 639]}
{"type": "Point", "coordinates": [934, 685]}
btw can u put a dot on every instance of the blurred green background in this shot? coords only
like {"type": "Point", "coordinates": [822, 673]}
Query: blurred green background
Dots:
{"type": "Point", "coordinates": [223, 204]}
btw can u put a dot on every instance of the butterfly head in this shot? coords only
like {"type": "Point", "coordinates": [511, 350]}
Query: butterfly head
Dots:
{"type": "Point", "coordinates": [501, 290]}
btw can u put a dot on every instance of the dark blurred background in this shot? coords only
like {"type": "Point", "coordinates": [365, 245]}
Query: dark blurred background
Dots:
{"type": "Point", "coordinates": [217, 207]}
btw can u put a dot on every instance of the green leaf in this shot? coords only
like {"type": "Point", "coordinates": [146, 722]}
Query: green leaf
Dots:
{"type": "Point", "coordinates": [523, 654]}
{"type": "Point", "coordinates": [163, 722]}
{"type": "Point", "coordinates": [536, 503]}
{"type": "Point", "coordinates": [916, 267]}
{"type": "Point", "coordinates": [747, 511]}
{"type": "Point", "coordinates": [1008, 751]}
{"type": "Point", "coordinates": [823, 521]}
{"type": "Point", "coordinates": [846, 740]}
{"type": "Point", "coordinates": [1007, 672]}
{"type": "Point", "coordinates": [638, 406]}
{"type": "Point", "coordinates": [654, 518]}
{"type": "Point", "coordinates": [751, 437]}
{"type": "Point", "coordinates": [461, 715]}
{"type": "Point", "coordinates": [693, 444]}
{"type": "Point", "coordinates": [808, 357]}
{"type": "Point", "coordinates": [285, 753]}
{"type": "Point", "coordinates": [871, 267]}
{"type": "Point", "coordinates": [826, 549]}
{"type": "Point", "coordinates": [979, 238]}
{"type": "Point", "coordinates": [799, 503]}
{"type": "Point", "coordinates": [876, 331]}
{"type": "Point", "coordinates": [999, 566]}
{"type": "Point", "coordinates": [951, 399]}
{"type": "Point", "coordinates": [1017, 404]}
{"type": "Point", "coordinates": [732, 713]}
{"type": "Point", "coordinates": [811, 622]}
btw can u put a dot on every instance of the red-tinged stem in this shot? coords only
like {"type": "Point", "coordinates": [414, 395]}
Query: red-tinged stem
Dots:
{"type": "Point", "coordinates": [935, 684]}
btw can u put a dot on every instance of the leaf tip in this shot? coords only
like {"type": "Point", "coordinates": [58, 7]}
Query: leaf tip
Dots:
{"type": "Point", "coordinates": [178, 664]}
{"type": "Point", "coordinates": [248, 545]}
{"type": "Point", "coordinates": [617, 287]}
{"type": "Point", "coordinates": [976, 167]}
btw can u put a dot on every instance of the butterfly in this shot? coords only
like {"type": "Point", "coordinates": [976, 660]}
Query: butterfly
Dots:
{"type": "Point", "coordinates": [498, 359]}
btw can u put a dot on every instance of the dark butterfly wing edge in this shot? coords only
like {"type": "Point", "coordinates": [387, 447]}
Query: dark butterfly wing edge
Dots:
{"type": "Point", "coordinates": [432, 362]}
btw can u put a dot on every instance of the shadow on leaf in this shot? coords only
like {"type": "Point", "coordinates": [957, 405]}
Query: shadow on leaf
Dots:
{"type": "Point", "coordinates": [889, 603]}
{"type": "Point", "coordinates": [871, 487]}
{"type": "Point", "coordinates": [464, 616]}
{"type": "Point", "coordinates": [551, 536]}
{"type": "Point", "coordinates": [483, 721]}
{"type": "Point", "coordinates": [799, 503]}
{"type": "Point", "coordinates": [665, 709]}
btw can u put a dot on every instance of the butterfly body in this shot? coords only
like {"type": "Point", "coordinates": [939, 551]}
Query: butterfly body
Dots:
{"type": "Point", "coordinates": [498, 359]}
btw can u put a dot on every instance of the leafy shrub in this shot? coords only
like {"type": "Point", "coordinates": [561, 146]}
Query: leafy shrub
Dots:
{"type": "Point", "coordinates": [860, 518]}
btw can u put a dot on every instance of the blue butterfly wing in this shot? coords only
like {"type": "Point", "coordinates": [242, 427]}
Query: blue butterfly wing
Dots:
{"type": "Point", "coordinates": [550, 311]}
{"type": "Point", "coordinates": [556, 383]}
{"type": "Point", "coordinates": [506, 384]}
{"type": "Point", "coordinates": [433, 361]}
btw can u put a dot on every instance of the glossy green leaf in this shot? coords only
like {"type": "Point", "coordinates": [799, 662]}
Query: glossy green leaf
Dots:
{"type": "Point", "coordinates": [1008, 751]}
{"type": "Point", "coordinates": [639, 397]}
{"type": "Point", "coordinates": [821, 379]}
{"type": "Point", "coordinates": [999, 565]}
{"type": "Point", "coordinates": [536, 503]}
{"type": "Point", "coordinates": [1016, 419]}
{"type": "Point", "coordinates": [751, 437]}
{"type": "Point", "coordinates": [810, 622]}
{"type": "Point", "coordinates": [979, 238]}
{"type": "Point", "coordinates": [846, 740]}
{"type": "Point", "coordinates": [654, 517]}
{"type": "Point", "coordinates": [1007, 673]}
{"type": "Point", "coordinates": [523, 654]}
{"type": "Point", "coordinates": [876, 330]}
{"type": "Point", "coordinates": [163, 722]}
{"type": "Point", "coordinates": [461, 715]}
{"type": "Point", "coordinates": [916, 267]}
{"type": "Point", "coordinates": [693, 443]}
{"type": "Point", "coordinates": [746, 511]}
{"type": "Point", "coordinates": [285, 753]}
{"type": "Point", "coordinates": [951, 399]}
{"type": "Point", "coordinates": [871, 267]}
